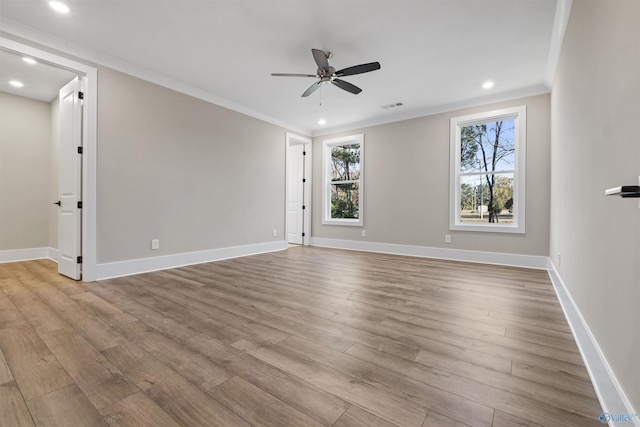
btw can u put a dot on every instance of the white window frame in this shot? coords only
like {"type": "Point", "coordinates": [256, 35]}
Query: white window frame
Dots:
{"type": "Point", "coordinates": [327, 145]}
{"type": "Point", "coordinates": [519, 114]}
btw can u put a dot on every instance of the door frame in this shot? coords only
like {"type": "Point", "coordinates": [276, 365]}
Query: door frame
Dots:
{"type": "Point", "coordinates": [89, 138]}
{"type": "Point", "coordinates": [293, 139]}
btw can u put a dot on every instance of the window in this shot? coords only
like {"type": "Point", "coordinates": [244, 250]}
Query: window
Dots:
{"type": "Point", "coordinates": [343, 160]}
{"type": "Point", "coordinates": [488, 171]}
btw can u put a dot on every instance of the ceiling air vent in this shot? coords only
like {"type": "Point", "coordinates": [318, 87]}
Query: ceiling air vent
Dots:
{"type": "Point", "coordinates": [394, 105]}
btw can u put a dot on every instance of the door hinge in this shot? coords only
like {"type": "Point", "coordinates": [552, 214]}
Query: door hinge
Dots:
{"type": "Point", "coordinates": [79, 205]}
{"type": "Point", "coordinates": [80, 95]}
{"type": "Point", "coordinates": [79, 260]}
{"type": "Point", "coordinates": [80, 150]}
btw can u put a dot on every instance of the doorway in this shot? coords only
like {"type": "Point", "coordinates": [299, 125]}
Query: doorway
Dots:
{"type": "Point", "coordinates": [298, 173]}
{"type": "Point", "coordinates": [87, 127]}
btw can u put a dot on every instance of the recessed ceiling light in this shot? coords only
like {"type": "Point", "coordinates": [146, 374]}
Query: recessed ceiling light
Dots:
{"type": "Point", "coordinates": [59, 7]}
{"type": "Point", "coordinates": [322, 122]}
{"type": "Point", "coordinates": [16, 83]}
{"type": "Point", "coordinates": [488, 85]}
{"type": "Point", "coordinates": [29, 60]}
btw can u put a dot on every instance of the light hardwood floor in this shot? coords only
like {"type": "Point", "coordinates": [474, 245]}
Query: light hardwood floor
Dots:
{"type": "Point", "coordinates": [303, 337]}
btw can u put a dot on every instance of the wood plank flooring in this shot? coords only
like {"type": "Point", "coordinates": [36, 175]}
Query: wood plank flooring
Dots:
{"type": "Point", "coordinates": [303, 337]}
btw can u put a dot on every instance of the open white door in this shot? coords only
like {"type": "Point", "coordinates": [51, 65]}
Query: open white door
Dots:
{"type": "Point", "coordinates": [295, 194]}
{"type": "Point", "coordinates": [299, 168]}
{"type": "Point", "coordinates": [70, 180]}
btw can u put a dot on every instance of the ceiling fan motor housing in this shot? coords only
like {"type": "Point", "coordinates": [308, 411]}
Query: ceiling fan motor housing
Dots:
{"type": "Point", "coordinates": [326, 75]}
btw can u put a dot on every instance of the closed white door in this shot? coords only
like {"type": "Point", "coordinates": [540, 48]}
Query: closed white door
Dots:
{"type": "Point", "coordinates": [70, 181]}
{"type": "Point", "coordinates": [295, 192]}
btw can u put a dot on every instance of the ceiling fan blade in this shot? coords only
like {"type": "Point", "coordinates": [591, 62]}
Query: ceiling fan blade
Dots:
{"type": "Point", "coordinates": [321, 59]}
{"type": "Point", "coordinates": [312, 89]}
{"type": "Point", "coordinates": [346, 86]}
{"type": "Point", "coordinates": [292, 75]}
{"type": "Point", "coordinates": [358, 69]}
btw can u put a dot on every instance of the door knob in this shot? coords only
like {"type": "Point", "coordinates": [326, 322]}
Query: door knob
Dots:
{"type": "Point", "coordinates": [59, 203]}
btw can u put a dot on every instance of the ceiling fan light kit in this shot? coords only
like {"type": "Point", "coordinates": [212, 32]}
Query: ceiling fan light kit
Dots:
{"type": "Point", "coordinates": [328, 74]}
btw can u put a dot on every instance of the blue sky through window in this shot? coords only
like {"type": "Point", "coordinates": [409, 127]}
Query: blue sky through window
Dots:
{"type": "Point", "coordinates": [479, 146]}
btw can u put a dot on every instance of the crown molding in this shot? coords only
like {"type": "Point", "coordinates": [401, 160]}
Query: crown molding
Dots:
{"type": "Point", "coordinates": [560, 22]}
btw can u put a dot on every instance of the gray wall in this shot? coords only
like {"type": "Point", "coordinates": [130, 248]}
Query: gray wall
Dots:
{"type": "Point", "coordinates": [406, 185]}
{"type": "Point", "coordinates": [194, 175]}
{"type": "Point", "coordinates": [25, 173]}
{"type": "Point", "coordinates": [595, 240]}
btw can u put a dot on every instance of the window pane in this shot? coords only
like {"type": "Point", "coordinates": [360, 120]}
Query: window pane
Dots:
{"type": "Point", "coordinates": [487, 198]}
{"type": "Point", "coordinates": [488, 146]}
{"type": "Point", "coordinates": [344, 200]}
{"type": "Point", "coordinates": [345, 162]}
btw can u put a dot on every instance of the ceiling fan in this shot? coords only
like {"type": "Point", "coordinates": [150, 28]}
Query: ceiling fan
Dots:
{"type": "Point", "coordinates": [328, 74]}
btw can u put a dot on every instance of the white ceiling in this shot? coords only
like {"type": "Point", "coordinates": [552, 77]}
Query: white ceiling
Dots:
{"type": "Point", "coordinates": [434, 54]}
{"type": "Point", "coordinates": [42, 81]}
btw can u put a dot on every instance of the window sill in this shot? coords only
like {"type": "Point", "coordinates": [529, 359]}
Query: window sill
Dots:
{"type": "Point", "coordinates": [514, 229]}
{"type": "Point", "coordinates": [347, 222]}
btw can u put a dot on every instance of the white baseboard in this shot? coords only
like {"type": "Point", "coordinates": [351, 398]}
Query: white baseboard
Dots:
{"type": "Point", "coordinates": [52, 254]}
{"type": "Point", "coordinates": [15, 255]}
{"type": "Point", "coordinates": [612, 397]}
{"type": "Point", "coordinates": [526, 261]}
{"type": "Point", "coordinates": [145, 265]}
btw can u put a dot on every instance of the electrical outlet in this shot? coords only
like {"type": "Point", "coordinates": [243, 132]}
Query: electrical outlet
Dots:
{"type": "Point", "coordinates": [155, 244]}
{"type": "Point", "coordinates": [274, 232]}
{"type": "Point", "coordinates": [364, 233]}
{"type": "Point", "coordinates": [447, 238]}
